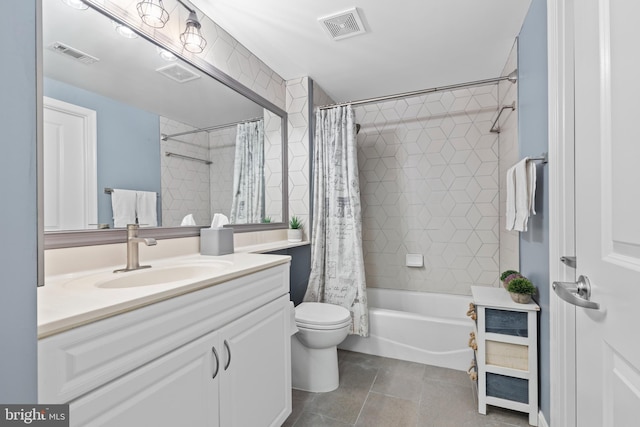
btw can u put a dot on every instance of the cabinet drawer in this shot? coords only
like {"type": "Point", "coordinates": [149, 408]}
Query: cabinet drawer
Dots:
{"type": "Point", "coordinates": [507, 355]}
{"type": "Point", "coordinates": [506, 322]}
{"type": "Point", "coordinates": [509, 388]}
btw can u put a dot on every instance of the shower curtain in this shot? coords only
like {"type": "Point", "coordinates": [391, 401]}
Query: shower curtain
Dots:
{"type": "Point", "coordinates": [337, 263]}
{"type": "Point", "coordinates": [247, 206]}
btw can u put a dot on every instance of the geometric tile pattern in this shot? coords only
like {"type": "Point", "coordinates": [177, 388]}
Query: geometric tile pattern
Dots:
{"type": "Point", "coordinates": [222, 50]}
{"type": "Point", "coordinates": [222, 143]}
{"type": "Point", "coordinates": [297, 107]}
{"type": "Point", "coordinates": [429, 185]}
{"type": "Point", "coordinates": [273, 166]}
{"type": "Point", "coordinates": [185, 183]}
{"type": "Point", "coordinates": [509, 155]}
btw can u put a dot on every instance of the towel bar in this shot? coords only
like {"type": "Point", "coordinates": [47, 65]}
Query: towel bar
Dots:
{"type": "Point", "coordinates": [495, 128]}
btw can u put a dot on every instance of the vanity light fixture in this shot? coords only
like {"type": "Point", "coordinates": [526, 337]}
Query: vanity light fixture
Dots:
{"type": "Point", "coordinates": [124, 31]}
{"type": "Point", "coordinates": [153, 13]}
{"type": "Point", "coordinates": [192, 39]}
{"type": "Point", "coordinates": [76, 4]}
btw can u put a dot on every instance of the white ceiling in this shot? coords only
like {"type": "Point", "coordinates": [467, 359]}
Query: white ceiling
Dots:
{"type": "Point", "coordinates": [409, 44]}
{"type": "Point", "coordinates": [126, 71]}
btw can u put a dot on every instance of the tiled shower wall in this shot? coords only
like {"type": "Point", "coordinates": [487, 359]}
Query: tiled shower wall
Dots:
{"type": "Point", "coordinates": [509, 155]}
{"type": "Point", "coordinates": [185, 183]}
{"type": "Point", "coordinates": [222, 153]}
{"type": "Point", "coordinates": [429, 185]}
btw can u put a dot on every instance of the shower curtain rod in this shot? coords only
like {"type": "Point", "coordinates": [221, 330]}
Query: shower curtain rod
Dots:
{"type": "Point", "coordinates": [164, 137]}
{"type": "Point", "coordinates": [512, 77]}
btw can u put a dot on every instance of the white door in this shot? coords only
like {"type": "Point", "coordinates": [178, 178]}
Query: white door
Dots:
{"type": "Point", "coordinates": [607, 161]}
{"type": "Point", "coordinates": [70, 188]}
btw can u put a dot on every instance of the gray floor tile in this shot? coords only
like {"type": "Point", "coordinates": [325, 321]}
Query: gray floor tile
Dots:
{"type": "Point", "coordinates": [385, 411]}
{"type": "Point", "coordinates": [300, 399]}
{"type": "Point", "coordinates": [400, 379]}
{"type": "Point", "coordinates": [450, 376]}
{"type": "Point", "coordinates": [382, 392]}
{"type": "Point", "coordinates": [309, 419]}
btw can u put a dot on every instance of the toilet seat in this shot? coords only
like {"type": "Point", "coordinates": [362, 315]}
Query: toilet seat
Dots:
{"type": "Point", "coordinates": [321, 316]}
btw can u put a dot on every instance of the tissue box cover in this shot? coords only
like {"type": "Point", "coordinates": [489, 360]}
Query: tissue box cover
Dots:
{"type": "Point", "coordinates": [216, 241]}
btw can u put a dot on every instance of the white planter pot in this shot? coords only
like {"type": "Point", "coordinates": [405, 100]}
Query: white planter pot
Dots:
{"type": "Point", "coordinates": [294, 235]}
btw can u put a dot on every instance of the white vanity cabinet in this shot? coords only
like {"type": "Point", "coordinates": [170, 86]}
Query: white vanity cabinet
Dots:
{"type": "Point", "coordinates": [219, 356]}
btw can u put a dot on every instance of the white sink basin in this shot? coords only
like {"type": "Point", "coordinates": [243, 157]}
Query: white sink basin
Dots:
{"type": "Point", "coordinates": [151, 276]}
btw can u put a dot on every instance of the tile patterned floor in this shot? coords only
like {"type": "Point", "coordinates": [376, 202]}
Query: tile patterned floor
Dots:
{"type": "Point", "coordinates": [381, 392]}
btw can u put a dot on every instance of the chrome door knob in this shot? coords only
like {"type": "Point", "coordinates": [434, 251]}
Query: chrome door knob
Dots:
{"type": "Point", "coordinates": [576, 293]}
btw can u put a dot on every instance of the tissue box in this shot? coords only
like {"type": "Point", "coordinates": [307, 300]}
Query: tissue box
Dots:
{"type": "Point", "coordinates": [216, 241]}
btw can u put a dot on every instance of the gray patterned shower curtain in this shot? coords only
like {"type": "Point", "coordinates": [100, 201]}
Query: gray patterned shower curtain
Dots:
{"type": "Point", "coordinates": [337, 263]}
{"type": "Point", "coordinates": [247, 206]}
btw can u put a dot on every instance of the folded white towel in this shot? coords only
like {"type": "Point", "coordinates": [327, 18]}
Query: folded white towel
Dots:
{"type": "Point", "coordinates": [146, 202]}
{"type": "Point", "coordinates": [532, 178]}
{"type": "Point", "coordinates": [123, 203]}
{"type": "Point", "coordinates": [511, 198]}
{"type": "Point", "coordinates": [522, 195]}
{"type": "Point", "coordinates": [188, 220]}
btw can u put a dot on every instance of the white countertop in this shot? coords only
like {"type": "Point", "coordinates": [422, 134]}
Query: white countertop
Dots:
{"type": "Point", "coordinates": [65, 303]}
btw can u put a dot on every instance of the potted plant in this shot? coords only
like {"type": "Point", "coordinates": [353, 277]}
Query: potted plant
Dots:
{"type": "Point", "coordinates": [294, 233]}
{"type": "Point", "coordinates": [509, 275]}
{"type": "Point", "coordinates": [521, 290]}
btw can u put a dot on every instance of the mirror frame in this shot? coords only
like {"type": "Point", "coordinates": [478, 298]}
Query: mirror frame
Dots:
{"type": "Point", "coordinates": [66, 239]}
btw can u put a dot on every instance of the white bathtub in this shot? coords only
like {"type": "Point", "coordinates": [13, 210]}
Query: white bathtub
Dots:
{"type": "Point", "coordinates": [419, 327]}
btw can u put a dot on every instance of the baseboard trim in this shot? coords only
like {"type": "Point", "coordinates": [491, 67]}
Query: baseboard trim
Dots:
{"type": "Point", "coordinates": [541, 421]}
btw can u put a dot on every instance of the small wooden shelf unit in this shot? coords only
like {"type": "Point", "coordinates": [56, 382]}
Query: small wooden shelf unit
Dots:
{"type": "Point", "coordinates": [505, 343]}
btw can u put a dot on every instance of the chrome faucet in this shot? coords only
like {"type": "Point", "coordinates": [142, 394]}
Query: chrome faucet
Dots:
{"type": "Point", "coordinates": [133, 262]}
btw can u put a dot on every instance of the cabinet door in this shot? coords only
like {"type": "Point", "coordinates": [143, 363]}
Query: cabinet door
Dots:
{"type": "Point", "coordinates": [255, 385]}
{"type": "Point", "coordinates": [177, 389]}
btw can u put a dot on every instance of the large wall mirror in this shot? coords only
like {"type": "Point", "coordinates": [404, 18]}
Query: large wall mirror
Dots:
{"type": "Point", "coordinates": [122, 116]}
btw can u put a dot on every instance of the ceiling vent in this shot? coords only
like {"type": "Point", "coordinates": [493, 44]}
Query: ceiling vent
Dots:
{"type": "Point", "coordinates": [178, 73]}
{"type": "Point", "coordinates": [342, 25]}
{"type": "Point", "coordinates": [71, 52]}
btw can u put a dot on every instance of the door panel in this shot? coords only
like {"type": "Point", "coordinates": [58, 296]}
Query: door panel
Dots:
{"type": "Point", "coordinates": [70, 175]}
{"type": "Point", "coordinates": [607, 209]}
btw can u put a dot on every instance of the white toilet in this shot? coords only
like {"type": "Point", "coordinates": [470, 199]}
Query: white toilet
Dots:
{"type": "Point", "coordinates": [314, 356]}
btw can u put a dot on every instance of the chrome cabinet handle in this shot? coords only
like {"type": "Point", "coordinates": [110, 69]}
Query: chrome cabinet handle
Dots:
{"type": "Point", "coordinates": [226, 345]}
{"type": "Point", "coordinates": [576, 293]}
{"type": "Point", "coordinates": [215, 354]}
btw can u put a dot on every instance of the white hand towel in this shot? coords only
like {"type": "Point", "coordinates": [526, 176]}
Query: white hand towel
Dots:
{"type": "Point", "coordinates": [531, 178]}
{"type": "Point", "coordinates": [522, 188]}
{"type": "Point", "coordinates": [146, 202]}
{"type": "Point", "coordinates": [123, 203]}
{"type": "Point", "coordinates": [511, 198]}
{"type": "Point", "coordinates": [188, 220]}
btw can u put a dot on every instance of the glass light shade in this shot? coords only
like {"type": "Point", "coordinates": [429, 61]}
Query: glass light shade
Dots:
{"type": "Point", "coordinates": [153, 13]}
{"type": "Point", "coordinates": [76, 4]}
{"type": "Point", "coordinates": [166, 55]}
{"type": "Point", "coordinates": [124, 31]}
{"type": "Point", "coordinates": [192, 39]}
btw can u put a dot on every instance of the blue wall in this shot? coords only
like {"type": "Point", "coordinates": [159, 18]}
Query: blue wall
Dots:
{"type": "Point", "coordinates": [19, 213]}
{"type": "Point", "coordinates": [533, 128]}
{"type": "Point", "coordinates": [128, 144]}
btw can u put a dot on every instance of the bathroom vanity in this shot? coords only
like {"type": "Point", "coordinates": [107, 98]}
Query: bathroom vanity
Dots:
{"type": "Point", "coordinates": [213, 349]}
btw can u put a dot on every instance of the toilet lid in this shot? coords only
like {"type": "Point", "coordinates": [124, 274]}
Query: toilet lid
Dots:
{"type": "Point", "coordinates": [320, 313]}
